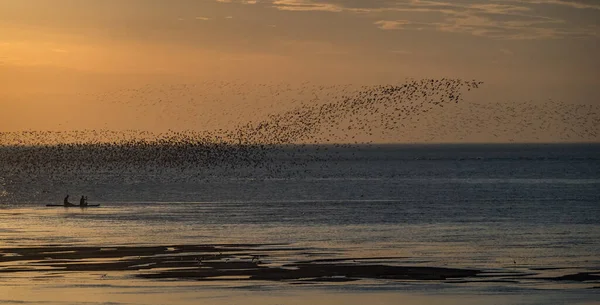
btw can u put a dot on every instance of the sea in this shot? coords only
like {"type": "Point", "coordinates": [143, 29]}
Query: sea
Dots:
{"type": "Point", "coordinates": [526, 213]}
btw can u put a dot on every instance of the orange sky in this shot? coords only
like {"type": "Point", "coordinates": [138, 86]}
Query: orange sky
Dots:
{"type": "Point", "coordinates": [63, 62]}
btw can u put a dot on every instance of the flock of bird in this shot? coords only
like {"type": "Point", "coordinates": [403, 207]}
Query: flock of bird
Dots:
{"type": "Point", "coordinates": [542, 122]}
{"type": "Point", "coordinates": [337, 115]}
{"type": "Point", "coordinates": [316, 122]}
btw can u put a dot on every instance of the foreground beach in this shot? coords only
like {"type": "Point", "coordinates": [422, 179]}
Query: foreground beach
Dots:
{"type": "Point", "coordinates": [263, 274]}
{"type": "Point", "coordinates": [216, 262]}
{"type": "Point", "coordinates": [250, 262]}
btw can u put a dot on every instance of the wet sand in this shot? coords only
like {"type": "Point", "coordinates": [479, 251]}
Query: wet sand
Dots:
{"type": "Point", "coordinates": [252, 262]}
{"type": "Point", "coordinates": [212, 263]}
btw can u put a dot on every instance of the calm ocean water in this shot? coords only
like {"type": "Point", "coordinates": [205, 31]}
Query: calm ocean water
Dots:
{"type": "Point", "coordinates": [517, 207]}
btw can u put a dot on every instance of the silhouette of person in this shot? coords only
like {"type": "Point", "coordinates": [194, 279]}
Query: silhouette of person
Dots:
{"type": "Point", "coordinates": [82, 201]}
{"type": "Point", "coordinates": [66, 201]}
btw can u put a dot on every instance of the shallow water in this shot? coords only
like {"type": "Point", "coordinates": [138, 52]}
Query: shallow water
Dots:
{"type": "Point", "coordinates": [521, 209]}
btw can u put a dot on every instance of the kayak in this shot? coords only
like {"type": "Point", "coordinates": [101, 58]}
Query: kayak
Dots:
{"type": "Point", "coordinates": [73, 206]}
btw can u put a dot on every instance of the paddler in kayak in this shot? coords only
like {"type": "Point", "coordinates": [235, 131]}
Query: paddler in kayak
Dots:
{"type": "Point", "coordinates": [66, 201]}
{"type": "Point", "coordinates": [83, 201]}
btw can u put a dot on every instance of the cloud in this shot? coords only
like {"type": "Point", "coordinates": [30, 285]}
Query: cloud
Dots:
{"type": "Point", "coordinates": [501, 19]}
{"type": "Point", "coordinates": [239, 1]}
{"type": "Point", "coordinates": [306, 5]}
{"type": "Point", "coordinates": [202, 18]}
{"type": "Point", "coordinates": [573, 3]}
{"type": "Point", "coordinates": [507, 20]}
{"type": "Point", "coordinates": [392, 24]}
{"type": "Point", "coordinates": [500, 29]}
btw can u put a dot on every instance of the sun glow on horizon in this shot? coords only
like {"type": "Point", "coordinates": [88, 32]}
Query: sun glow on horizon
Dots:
{"type": "Point", "coordinates": [62, 61]}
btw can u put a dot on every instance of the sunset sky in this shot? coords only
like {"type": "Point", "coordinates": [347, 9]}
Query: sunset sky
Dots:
{"type": "Point", "coordinates": [53, 52]}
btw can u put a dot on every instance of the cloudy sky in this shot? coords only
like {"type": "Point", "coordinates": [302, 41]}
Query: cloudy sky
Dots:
{"type": "Point", "coordinates": [53, 51]}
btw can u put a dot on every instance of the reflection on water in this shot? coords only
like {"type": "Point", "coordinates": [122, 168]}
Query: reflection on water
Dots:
{"type": "Point", "coordinates": [387, 228]}
{"type": "Point", "coordinates": [320, 230]}
{"type": "Point", "coordinates": [114, 289]}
